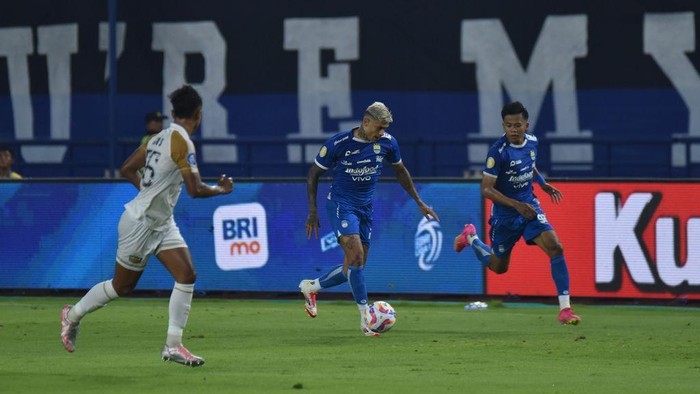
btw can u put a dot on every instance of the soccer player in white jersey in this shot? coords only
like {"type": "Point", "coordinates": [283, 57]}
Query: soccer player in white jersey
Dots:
{"type": "Point", "coordinates": [147, 226]}
{"type": "Point", "coordinates": [508, 181]}
{"type": "Point", "coordinates": [355, 158]}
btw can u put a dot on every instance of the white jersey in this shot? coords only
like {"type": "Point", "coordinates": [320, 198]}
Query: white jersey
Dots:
{"type": "Point", "coordinates": [168, 153]}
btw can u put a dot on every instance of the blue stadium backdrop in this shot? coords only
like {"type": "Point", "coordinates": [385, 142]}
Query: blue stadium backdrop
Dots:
{"type": "Point", "coordinates": [61, 235]}
{"type": "Point", "coordinates": [612, 91]}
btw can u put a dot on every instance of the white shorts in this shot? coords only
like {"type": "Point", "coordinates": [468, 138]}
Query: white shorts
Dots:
{"type": "Point", "coordinates": [137, 242]}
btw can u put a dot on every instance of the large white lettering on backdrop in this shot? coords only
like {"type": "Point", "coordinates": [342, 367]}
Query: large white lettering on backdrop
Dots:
{"type": "Point", "coordinates": [667, 38]}
{"type": "Point", "coordinates": [309, 36]}
{"type": "Point", "coordinates": [176, 40]}
{"type": "Point", "coordinates": [57, 43]}
{"type": "Point", "coordinates": [562, 39]}
{"type": "Point", "coordinates": [103, 41]}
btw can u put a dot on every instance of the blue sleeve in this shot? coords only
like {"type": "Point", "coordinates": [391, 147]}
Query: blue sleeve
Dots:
{"type": "Point", "coordinates": [325, 157]}
{"type": "Point", "coordinates": [394, 156]}
{"type": "Point", "coordinates": [494, 162]}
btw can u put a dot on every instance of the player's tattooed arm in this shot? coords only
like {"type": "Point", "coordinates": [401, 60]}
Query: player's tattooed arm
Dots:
{"type": "Point", "coordinates": [406, 182]}
{"type": "Point", "coordinates": [312, 222]}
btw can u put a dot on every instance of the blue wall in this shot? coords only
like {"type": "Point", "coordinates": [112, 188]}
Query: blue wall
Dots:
{"type": "Point", "coordinates": [621, 100]}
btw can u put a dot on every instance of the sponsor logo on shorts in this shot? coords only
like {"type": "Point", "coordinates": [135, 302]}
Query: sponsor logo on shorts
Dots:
{"type": "Point", "coordinates": [136, 260]}
{"type": "Point", "coordinates": [344, 224]}
{"type": "Point", "coordinates": [240, 236]}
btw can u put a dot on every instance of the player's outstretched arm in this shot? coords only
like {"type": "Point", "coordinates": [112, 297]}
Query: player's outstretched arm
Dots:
{"type": "Point", "coordinates": [553, 192]}
{"type": "Point", "coordinates": [131, 166]}
{"type": "Point", "coordinates": [312, 222]}
{"type": "Point", "coordinates": [196, 188]}
{"type": "Point", "coordinates": [404, 178]}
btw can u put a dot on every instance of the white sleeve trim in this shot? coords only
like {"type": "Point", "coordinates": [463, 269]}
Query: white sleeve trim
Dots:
{"type": "Point", "coordinates": [319, 164]}
{"type": "Point", "coordinates": [398, 162]}
{"type": "Point", "coordinates": [489, 175]}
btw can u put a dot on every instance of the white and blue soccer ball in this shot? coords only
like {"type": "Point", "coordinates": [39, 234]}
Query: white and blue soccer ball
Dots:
{"type": "Point", "coordinates": [382, 316]}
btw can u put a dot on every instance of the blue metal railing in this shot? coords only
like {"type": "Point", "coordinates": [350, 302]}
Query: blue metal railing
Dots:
{"type": "Point", "coordinates": [267, 157]}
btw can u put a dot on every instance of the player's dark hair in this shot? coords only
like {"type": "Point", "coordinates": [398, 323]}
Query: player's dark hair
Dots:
{"type": "Point", "coordinates": [4, 148]}
{"type": "Point", "coordinates": [514, 108]}
{"type": "Point", "coordinates": [186, 102]}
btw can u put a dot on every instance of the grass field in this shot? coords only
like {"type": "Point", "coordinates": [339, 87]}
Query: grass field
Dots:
{"type": "Point", "coordinates": [272, 346]}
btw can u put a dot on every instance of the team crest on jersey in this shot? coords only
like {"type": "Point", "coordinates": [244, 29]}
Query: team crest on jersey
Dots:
{"type": "Point", "coordinates": [377, 148]}
{"type": "Point", "coordinates": [532, 154]}
{"type": "Point", "coordinates": [191, 160]}
{"type": "Point", "coordinates": [490, 162]}
{"type": "Point", "coordinates": [323, 152]}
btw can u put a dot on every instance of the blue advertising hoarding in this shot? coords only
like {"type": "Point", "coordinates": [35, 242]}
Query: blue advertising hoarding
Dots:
{"type": "Point", "coordinates": [63, 235]}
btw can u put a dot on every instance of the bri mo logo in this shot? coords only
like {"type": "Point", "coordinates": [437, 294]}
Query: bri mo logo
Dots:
{"type": "Point", "coordinates": [240, 236]}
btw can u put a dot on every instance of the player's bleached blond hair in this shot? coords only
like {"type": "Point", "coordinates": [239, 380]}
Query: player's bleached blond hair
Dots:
{"type": "Point", "coordinates": [379, 111]}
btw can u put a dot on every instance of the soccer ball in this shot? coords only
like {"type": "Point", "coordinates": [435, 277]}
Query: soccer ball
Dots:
{"type": "Point", "coordinates": [382, 316]}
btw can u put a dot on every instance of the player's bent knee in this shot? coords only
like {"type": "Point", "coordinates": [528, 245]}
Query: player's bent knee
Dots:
{"type": "Point", "coordinates": [186, 278]}
{"type": "Point", "coordinates": [356, 260]}
{"type": "Point", "coordinates": [556, 250]}
{"type": "Point", "coordinates": [499, 270]}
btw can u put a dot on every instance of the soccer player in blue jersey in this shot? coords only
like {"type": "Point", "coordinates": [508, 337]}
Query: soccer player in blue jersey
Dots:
{"type": "Point", "coordinates": [508, 182]}
{"type": "Point", "coordinates": [355, 158]}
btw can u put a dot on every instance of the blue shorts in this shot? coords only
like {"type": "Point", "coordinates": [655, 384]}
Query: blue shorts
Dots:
{"type": "Point", "coordinates": [347, 219]}
{"type": "Point", "coordinates": [505, 232]}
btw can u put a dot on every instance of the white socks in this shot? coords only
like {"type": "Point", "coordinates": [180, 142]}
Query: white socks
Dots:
{"type": "Point", "coordinates": [179, 308]}
{"type": "Point", "coordinates": [564, 302]}
{"type": "Point", "coordinates": [96, 298]}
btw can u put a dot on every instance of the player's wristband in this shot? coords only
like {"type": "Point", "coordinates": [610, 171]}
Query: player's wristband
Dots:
{"type": "Point", "coordinates": [540, 179]}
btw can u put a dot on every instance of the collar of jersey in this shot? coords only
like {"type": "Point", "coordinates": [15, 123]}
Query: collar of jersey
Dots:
{"type": "Point", "coordinates": [358, 139]}
{"type": "Point", "coordinates": [518, 146]}
{"type": "Point", "coordinates": [178, 127]}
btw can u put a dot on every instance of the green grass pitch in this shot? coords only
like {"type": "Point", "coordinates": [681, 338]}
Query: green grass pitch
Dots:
{"type": "Point", "coordinates": [273, 347]}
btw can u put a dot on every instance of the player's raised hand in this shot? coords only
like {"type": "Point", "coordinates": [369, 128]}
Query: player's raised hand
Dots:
{"type": "Point", "coordinates": [553, 192]}
{"type": "Point", "coordinates": [225, 183]}
{"type": "Point", "coordinates": [312, 224]}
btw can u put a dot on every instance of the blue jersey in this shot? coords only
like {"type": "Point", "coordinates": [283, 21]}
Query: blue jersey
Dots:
{"type": "Point", "coordinates": [513, 167]}
{"type": "Point", "coordinates": [356, 165]}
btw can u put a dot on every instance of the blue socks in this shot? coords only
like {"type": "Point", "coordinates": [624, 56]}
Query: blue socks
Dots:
{"type": "Point", "coordinates": [482, 251]}
{"type": "Point", "coordinates": [334, 277]}
{"type": "Point", "coordinates": [560, 274]}
{"type": "Point", "coordinates": [356, 277]}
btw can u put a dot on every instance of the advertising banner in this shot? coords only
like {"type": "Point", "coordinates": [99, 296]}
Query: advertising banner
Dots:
{"type": "Point", "coordinates": [621, 240]}
{"type": "Point", "coordinates": [62, 235]}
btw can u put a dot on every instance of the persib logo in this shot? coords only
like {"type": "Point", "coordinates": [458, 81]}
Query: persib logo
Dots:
{"type": "Point", "coordinates": [240, 236]}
